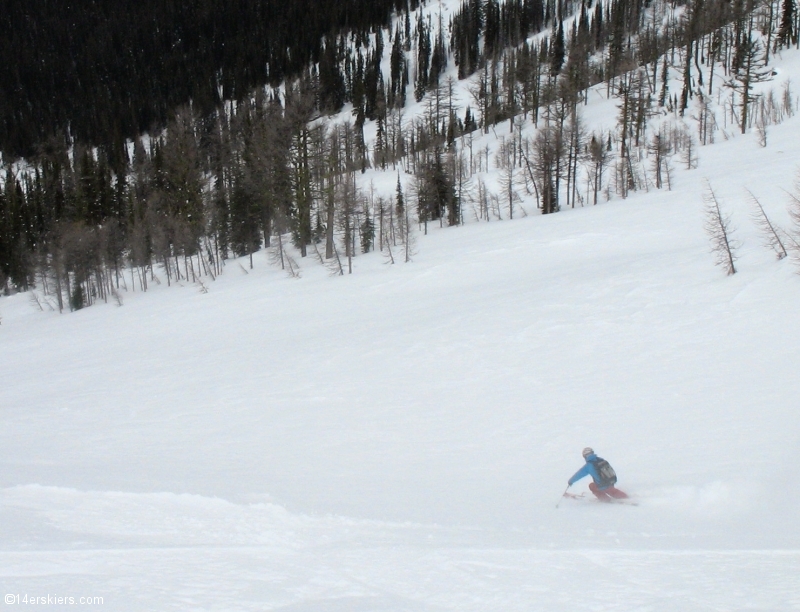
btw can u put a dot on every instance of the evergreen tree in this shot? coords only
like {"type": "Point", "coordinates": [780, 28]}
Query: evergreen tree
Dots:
{"type": "Point", "coordinates": [749, 70]}
{"type": "Point", "coordinates": [786, 31]}
{"type": "Point", "coordinates": [367, 232]}
{"type": "Point", "coordinates": [398, 77]}
{"type": "Point", "coordinates": [557, 51]}
{"type": "Point", "coordinates": [331, 81]}
{"type": "Point", "coordinates": [423, 60]}
{"type": "Point", "coordinates": [245, 237]}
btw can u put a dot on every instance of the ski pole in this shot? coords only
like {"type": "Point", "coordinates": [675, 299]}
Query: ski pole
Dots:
{"type": "Point", "coordinates": [562, 495]}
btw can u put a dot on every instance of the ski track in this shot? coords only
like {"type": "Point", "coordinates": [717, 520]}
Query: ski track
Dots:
{"type": "Point", "coordinates": [400, 578]}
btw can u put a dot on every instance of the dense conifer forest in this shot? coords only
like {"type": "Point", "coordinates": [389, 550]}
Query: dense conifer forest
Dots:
{"type": "Point", "coordinates": [100, 72]}
{"type": "Point", "coordinates": [161, 139]}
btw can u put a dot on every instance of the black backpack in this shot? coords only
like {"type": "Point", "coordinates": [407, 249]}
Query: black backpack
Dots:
{"type": "Point", "coordinates": [608, 476]}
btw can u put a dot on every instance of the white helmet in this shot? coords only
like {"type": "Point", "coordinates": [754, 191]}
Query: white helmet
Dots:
{"type": "Point", "coordinates": [588, 451]}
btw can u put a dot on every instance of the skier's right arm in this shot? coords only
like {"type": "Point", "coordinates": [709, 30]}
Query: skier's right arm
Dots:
{"type": "Point", "coordinates": [581, 473]}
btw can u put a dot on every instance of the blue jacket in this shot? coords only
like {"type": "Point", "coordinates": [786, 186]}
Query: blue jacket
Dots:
{"type": "Point", "coordinates": [588, 470]}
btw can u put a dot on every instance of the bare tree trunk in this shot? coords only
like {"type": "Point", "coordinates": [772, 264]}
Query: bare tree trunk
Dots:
{"type": "Point", "coordinates": [718, 228]}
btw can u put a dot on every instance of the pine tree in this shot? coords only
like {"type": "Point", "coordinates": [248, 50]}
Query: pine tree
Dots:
{"type": "Point", "coordinates": [749, 69]}
{"type": "Point", "coordinates": [423, 60]}
{"type": "Point", "coordinates": [367, 231]}
{"type": "Point", "coordinates": [397, 72]}
{"type": "Point", "coordinates": [557, 51]}
{"type": "Point", "coordinates": [786, 31]}
{"type": "Point", "coordinates": [400, 202]}
{"type": "Point", "coordinates": [331, 82]}
{"type": "Point", "coordinates": [245, 237]}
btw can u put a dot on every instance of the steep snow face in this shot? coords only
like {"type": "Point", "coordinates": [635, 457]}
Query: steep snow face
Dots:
{"type": "Point", "coordinates": [398, 439]}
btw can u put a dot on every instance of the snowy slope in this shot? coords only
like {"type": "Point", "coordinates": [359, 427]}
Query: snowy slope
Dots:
{"type": "Point", "coordinates": [398, 439]}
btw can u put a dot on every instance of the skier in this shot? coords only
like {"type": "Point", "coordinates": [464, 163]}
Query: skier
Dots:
{"type": "Point", "coordinates": [603, 476]}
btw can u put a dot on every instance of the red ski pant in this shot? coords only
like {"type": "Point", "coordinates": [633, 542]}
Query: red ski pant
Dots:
{"type": "Point", "coordinates": [607, 494]}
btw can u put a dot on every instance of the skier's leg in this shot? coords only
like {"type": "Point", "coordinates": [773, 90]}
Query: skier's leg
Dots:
{"type": "Point", "coordinates": [616, 493]}
{"type": "Point", "coordinates": [601, 495]}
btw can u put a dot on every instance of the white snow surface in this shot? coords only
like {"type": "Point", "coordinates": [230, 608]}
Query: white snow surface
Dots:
{"type": "Point", "coordinates": [398, 439]}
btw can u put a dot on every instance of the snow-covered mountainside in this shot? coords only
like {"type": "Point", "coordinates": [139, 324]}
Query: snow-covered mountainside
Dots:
{"type": "Point", "coordinates": [398, 439]}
